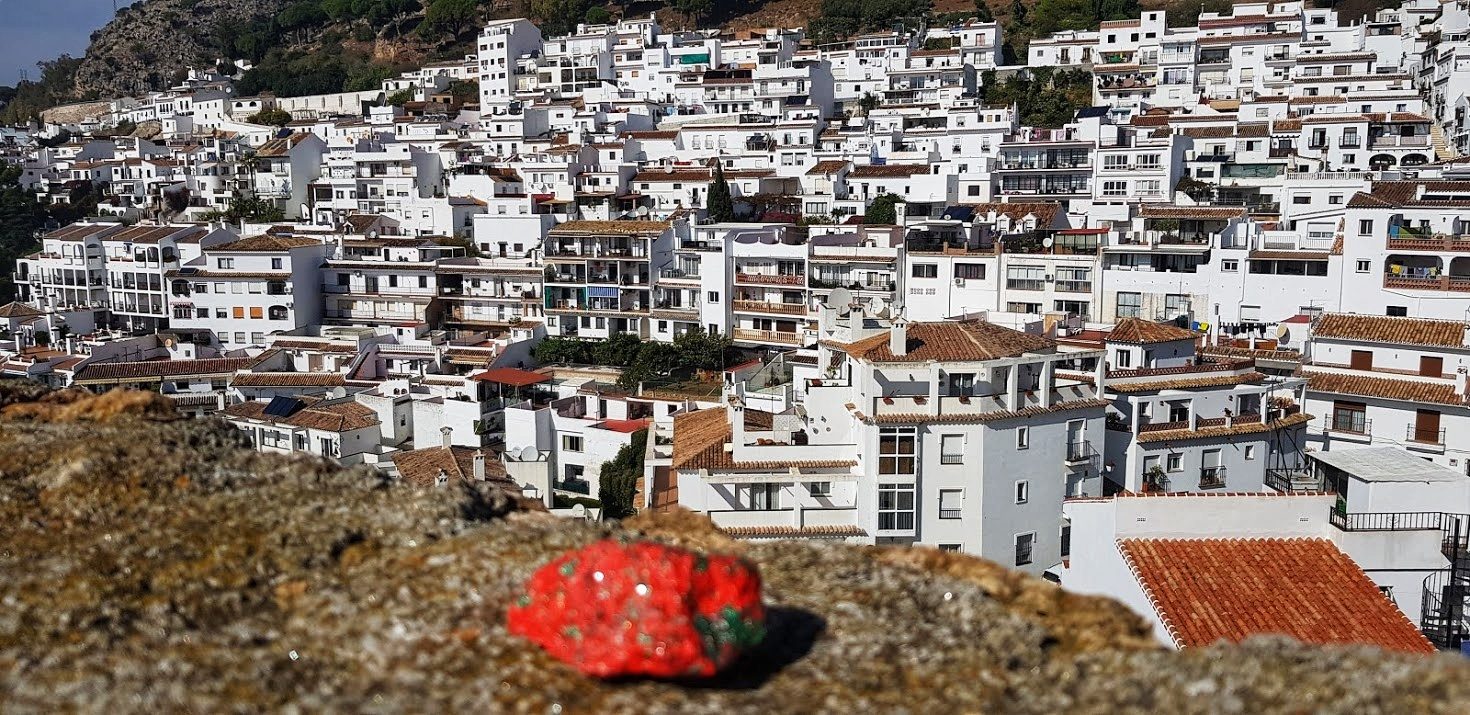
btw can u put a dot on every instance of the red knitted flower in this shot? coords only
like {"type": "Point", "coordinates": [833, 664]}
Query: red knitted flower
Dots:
{"type": "Point", "coordinates": [614, 609]}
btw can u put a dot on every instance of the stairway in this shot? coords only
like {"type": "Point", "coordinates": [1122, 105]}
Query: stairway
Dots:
{"type": "Point", "coordinates": [1442, 149]}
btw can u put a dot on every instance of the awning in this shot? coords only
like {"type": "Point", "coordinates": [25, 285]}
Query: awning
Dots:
{"type": "Point", "coordinates": [511, 376]}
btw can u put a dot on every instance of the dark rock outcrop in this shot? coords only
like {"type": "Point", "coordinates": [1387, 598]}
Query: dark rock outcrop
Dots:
{"type": "Point", "coordinates": [156, 564]}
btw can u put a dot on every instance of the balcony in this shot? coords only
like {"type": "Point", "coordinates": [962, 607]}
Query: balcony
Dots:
{"type": "Point", "coordinates": [1406, 239]}
{"type": "Point", "coordinates": [1349, 142]}
{"type": "Point", "coordinates": [783, 279]}
{"type": "Point", "coordinates": [691, 274]}
{"type": "Point", "coordinates": [1025, 284]}
{"type": "Point", "coordinates": [1456, 284]}
{"type": "Point", "coordinates": [1425, 436]}
{"type": "Point", "coordinates": [760, 306]}
{"type": "Point", "coordinates": [1080, 452]}
{"type": "Point", "coordinates": [768, 336]}
{"type": "Point", "coordinates": [1414, 141]}
{"type": "Point", "coordinates": [1350, 426]}
{"type": "Point", "coordinates": [1212, 478]}
{"type": "Point", "coordinates": [1074, 286]}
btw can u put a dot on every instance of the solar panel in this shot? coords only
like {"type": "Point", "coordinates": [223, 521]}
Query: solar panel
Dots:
{"type": "Point", "coordinates": [282, 406]}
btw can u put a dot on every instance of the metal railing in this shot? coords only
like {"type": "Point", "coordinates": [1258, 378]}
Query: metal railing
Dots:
{"type": "Point", "coordinates": [1353, 422]}
{"type": "Point", "coordinates": [1212, 477]}
{"type": "Point", "coordinates": [1079, 451]}
{"type": "Point", "coordinates": [1424, 435]}
{"type": "Point", "coordinates": [1388, 521]}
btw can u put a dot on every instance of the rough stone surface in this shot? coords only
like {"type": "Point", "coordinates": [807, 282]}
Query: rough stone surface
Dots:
{"type": "Point", "coordinates": [154, 564]}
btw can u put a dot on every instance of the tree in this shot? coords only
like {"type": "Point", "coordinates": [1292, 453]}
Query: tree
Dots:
{"type": "Point", "coordinates": [177, 201]}
{"type": "Point", "coordinates": [247, 208]}
{"type": "Point", "coordinates": [882, 211]}
{"type": "Point", "coordinates": [272, 116]}
{"type": "Point", "coordinates": [21, 217]}
{"type": "Point", "coordinates": [982, 11]}
{"type": "Point", "coordinates": [868, 102]}
{"type": "Point", "coordinates": [617, 482]}
{"type": "Point", "coordinates": [597, 15]}
{"type": "Point", "coordinates": [400, 98]}
{"type": "Point", "coordinates": [452, 16]}
{"type": "Point", "coordinates": [720, 206]}
{"type": "Point", "coordinates": [695, 10]}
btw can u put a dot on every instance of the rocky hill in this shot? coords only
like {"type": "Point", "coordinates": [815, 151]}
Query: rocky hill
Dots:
{"type": "Point", "coordinates": [155, 564]}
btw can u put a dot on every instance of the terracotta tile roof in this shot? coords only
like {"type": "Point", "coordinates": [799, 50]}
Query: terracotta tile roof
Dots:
{"type": "Point", "coordinates": [281, 146]}
{"type": "Point", "coordinates": [1208, 132]}
{"type": "Point", "coordinates": [287, 379]}
{"type": "Point", "coordinates": [1253, 37]}
{"type": "Point", "coordinates": [422, 466]}
{"type": "Point", "coordinates": [950, 341]}
{"type": "Point", "coordinates": [1409, 193]}
{"type": "Point", "coordinates": [1045, 212]}
{"type": "Point", "coordinates": [156, 369]}
{"type": "Point", "coordinates": [1187, 212]}
{"type": "Point", "coordinates": [1233, 352]}
{"type": "Point", "coordinates": [610, 227]}
{"type": "Point", "coordinates": [1186, 383]}
{"type": "Point", "coordinates": [1208, 590]}
{"type": "Point", "coordinates": [267, 243]}
{"type": "Point", "coordinates": [1215, 427]}
{"type": "Point", "coordinates": [1357, 385]}
{"type": "Point", "coordinates": [1286, 125]}
{"type": "Point", "coordinates": [827, 166]}
{"type": "Point", "coordinates": [699, 443]}
{"type": "Point", "coordinates": [1147, 332]}
{"type": "Point", "coordinates": [153, 234]}
{"type": "Point", "coordinates": [793, 532]}
{"type": "Point", "coordinates": [1384, 329]}
{"type": "Point", "coordinates": [16, 309]}
{"type": "Point", "coordinates": [650, 135]}
{"type": "Point", "coordinates": [888, 170]}
{"type": "Point", "coordinates": [656, 175]}
{"type": "Point", "coordinates": [334, 417]}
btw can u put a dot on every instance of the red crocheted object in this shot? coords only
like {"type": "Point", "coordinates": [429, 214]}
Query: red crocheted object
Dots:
{"type": "Point", "coordinates": [619, 609]}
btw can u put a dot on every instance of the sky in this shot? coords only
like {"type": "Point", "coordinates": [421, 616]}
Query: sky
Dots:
{"type": "Point", "coordinates": [35, 30]}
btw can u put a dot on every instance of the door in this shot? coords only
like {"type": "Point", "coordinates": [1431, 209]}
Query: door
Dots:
{"type": "Point", "coordinates": [1426, 427]}
{"type": "Point", "coordinates": [1076, 447]}
{"type": "Point", "coordinates": [1361, 360]}
{"type": "Point", "coordinates": [1431, 366]}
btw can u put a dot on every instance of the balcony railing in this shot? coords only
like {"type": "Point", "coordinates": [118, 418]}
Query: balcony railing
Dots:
{"type": "Point", "coordinates": [1025, 284]}
{"type": "Point", "coordinates": [1074, 286]}
{"type": "Point", "coordinates": [1212, 478]}
{"type": "Point", "coordinates": [1417, 140]}
{"type": "Point", "coordinates": [1080, 451]}
{"type": "Point", "coordinates": [785, 279]}
{"type": "Point", "coordinates": [1458, 284]}
{"type": "Point", "coordinates": [1425, 435]}
{"type": "Point", "coordinates": [1383, 521]}
{"type": "Point", "coordinates": [760, 306]}
{"type": "Point", "coordinates": [1351, 422]}
{"type": "Point", "coordinates": [768, 336]}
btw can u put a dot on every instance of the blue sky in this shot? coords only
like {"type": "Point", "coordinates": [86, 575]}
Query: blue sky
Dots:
{"type": "Point", "coordinates": [34, 30]}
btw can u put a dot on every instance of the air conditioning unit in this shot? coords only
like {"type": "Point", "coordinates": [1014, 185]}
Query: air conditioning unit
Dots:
{"type": "Point", "coordinates": [959, 282]}
{"type": "Point", "coordinates": [1050, 278]}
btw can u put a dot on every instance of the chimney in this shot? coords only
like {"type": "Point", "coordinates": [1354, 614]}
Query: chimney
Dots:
{"type": "Point", "coordinates": [479, 465]}
{"type": "Point", "coordinates": [446, 431]}
{"type": "Point", "coordinates": [441, 479]}
{"type": "Point", "coordinates": [1460, 380]}
{"type": "Point", "coordinates": [898, 338]}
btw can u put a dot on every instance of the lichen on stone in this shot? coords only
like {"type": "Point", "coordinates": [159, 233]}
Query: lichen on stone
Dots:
{"type": "Point", "coordinates": [154, 564]}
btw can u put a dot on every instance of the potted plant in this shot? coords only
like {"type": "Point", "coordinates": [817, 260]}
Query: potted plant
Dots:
{"type": "Point", "coordinates": [1155, 480]}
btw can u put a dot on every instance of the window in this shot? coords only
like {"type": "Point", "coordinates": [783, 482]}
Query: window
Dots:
{"type": "Point", "coordinates": [1176, 462]}
{"type": "Point", "coordinates": [1175, 305]}
{"type": "Point", "coordinates": [970, 271]}
{"type": "Point", "coordinates": [1066, 540]}
{"type": "Point", "coordinates": [256, 312]}
{"type": "Point", "coordinates": [1230, 266]}
{"type": "Point", "coordinates": [760, 497]}
{"type": "Point", "coordinates": [1023, 437]}
{"type": "Point", "coordinates": [239, 312]}
{"type": "Point", "coordinates": [819, 489]}
{"type": "Point", "coordinates": [1123, 359]}
{"type": "Point", "coordinates": [1250, 452]}
{"type": "Point", "coordinates": [952, 449]}
{"type": "Point", "coordinates": [926, 270]}
{"type": "Point", "coordinates": [571, 443]}
{"type": "Point", "coordinates": [713, 297]}
{"type": "Point", "coordinates": [1025, 545]}
{"type": "Point", "coordinates": [1023, 491]}
{"type": "Point", "coordinates": [1130, 305]}
{"type": "Point", "coordinates": [225, 263]}
{"type": "Point", "coordinates": [949, 547]}
{"type": "Point", "coordinates": [951, 502]}
{"type": "Point", "coordinates": [276, 264]}
{"type": "Point", "coordinates": [895, 507]}
{"type": "Point", "coordinates": [1364, 266]}
{"type": "Point", "coordinates": [1397, 311]}
{"type": "Point", "coordinates": [1115, 188]}
{"type": "Point", "coordinates": [1365, 227]}
{"type": "Point", "coordinates": [897, 447]}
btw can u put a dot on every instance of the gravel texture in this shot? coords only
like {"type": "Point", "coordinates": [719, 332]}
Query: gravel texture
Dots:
{"type": "Point", "coordinates": [154, 564]}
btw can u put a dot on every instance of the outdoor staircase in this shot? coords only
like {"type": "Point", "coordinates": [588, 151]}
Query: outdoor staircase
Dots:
{"type": "Point", "coordinates": [1442, 149]}
{"type": "Point", "coordinates": [1447, 594]}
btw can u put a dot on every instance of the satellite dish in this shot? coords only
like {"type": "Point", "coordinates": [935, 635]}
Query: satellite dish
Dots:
{"type": "Point", "coordinates": [879, 307]}
{"type": "Point", "coordinates": [372, 234]}
{"type": "Point", "coordinates": [528, 454]}
{"type": "Point", "coordinates": [669, 169]}
{"type": "Point", "coordinates": [642, 211]}
{"type": "Point", "coordinates": [840, 299]}
{"type": "Point", "coordinates": [579, 511]}
{"type": "Point", "coordinates": [1048, 241]}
